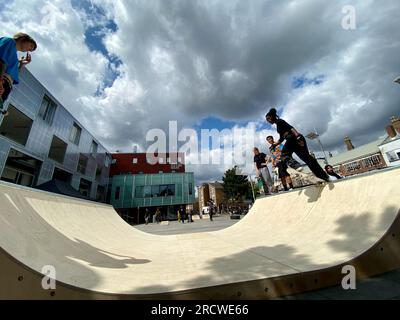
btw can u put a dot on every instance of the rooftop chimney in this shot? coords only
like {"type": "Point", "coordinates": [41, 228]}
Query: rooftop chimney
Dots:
{"type": "Point", "coordinates": [396, 123]}
{"type": "Point", "coordinates": [348, 143]}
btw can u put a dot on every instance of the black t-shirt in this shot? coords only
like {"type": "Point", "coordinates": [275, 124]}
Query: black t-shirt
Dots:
{"type": "Point", "coordinates": [282, 127]}
{"type": "Point", "coordinates": [259, 159]}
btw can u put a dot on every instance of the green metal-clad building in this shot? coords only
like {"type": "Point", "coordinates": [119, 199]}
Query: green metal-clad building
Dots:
{"type": "Point", "coordinates": [132, 194]}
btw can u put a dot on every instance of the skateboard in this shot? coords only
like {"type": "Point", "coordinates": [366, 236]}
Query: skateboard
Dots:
{"type": "Point", "coordinates": [308, 178]}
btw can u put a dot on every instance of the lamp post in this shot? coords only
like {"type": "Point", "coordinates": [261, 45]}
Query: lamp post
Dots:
{"type": "Point", "coordinates": [315, 136]}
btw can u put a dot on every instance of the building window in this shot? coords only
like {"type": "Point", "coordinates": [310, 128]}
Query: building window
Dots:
{"type": "Point", "coordinates": [160, 160]}
{"type": "Point", "coordinates": [93, 148]}
{"type": "Point", "coordinates": [16, 126]}
{"type": "Point", "coordinates": [99, 171]}
{"type": "Point", "coordinates": [353, 166]}
{"type": "Point", "coordinates": [393, 156]}
{"type": "Point", "coordinates": [117, 193]}
{"type": "Point", "coordinates": [58, 149]}
{"type": "Point", "coordinates": [134, 160]}
{"type": "Point", "coordinates": [21, 168]}
{"type": "Point", "coordinates": [155, 191]}
{"type": "Point", "coordinates": [47, 110]}
{"type": "Point", "coordinates": [114, 161]}
{"type": "Point", "coordinates": [82, 164]}
{"type": "Point", "coordinates": [139, 192]}
{"type": "Point", "coordinates": [84, 187]}
{"type": "Point", "coordinates": [100, 194]}
{"type": "Point", "coordinates": [371, 161]}
{"type": "Point", "coordinates": [167, 190]}
{"type": "Point", "coordinates": [190, 189]}
{"type": "Point", "coordinates": [75, 135]}
{"type": "Point", "coordinates": [147, 192]}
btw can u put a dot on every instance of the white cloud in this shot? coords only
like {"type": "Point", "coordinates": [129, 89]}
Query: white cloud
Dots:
{"type": "Point", "coordinates": [186, 60]}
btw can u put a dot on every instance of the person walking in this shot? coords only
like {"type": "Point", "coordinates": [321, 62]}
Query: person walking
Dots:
{"type": "Point", "coordinates": [294, 143]}
{"type": "Point", "coordinates": [158, 215]}
{"type": "Point", "coordinates": [182, 214]}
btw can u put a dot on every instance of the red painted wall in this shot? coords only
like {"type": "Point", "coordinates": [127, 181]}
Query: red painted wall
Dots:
{"type": "Point", "coordinates": [123, 163]}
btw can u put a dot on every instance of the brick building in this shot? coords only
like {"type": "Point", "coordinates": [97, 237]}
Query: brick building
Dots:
{"type": "Point", "coordinates": [358, 160]}
{"type": "Point", "coordinates": [375, 155]}
{"type": "Point", "coordinates": [144, 163]}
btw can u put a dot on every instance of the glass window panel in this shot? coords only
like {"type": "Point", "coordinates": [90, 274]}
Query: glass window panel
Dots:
{"type": "Point", "coordinates": [171, 190]}
{"type": "Point", "coordinates": [139, 192]}
{"type": "Point", "coordinates": [147, 191]}
{"type": "Point", "coordinates": [155, 190]}
{"type": "Point", "coordinates": [164, 190]}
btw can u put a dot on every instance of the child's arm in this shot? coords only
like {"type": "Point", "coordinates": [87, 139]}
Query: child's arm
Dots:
{"type": "Point", "coordinates": [24, 61]}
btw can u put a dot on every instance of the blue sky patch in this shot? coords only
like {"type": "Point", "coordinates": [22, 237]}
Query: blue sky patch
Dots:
{"type": "Point", "coordinates": [303, 81]}
{"type": "Point", "coordinates": [98, 25]}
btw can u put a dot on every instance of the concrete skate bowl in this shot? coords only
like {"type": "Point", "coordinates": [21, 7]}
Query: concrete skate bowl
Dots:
{"type": "Point", "coordinates": [289, 243]}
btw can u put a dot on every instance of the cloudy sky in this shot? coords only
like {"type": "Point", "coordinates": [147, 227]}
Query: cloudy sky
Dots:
{"type": "Point", "coordinates": [125, 67]}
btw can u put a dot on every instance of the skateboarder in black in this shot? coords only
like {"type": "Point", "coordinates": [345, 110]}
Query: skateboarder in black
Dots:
{"type": "Point", "coordinates": [295, 143]}
{"type": "Point", "coordinates": [10, 66]}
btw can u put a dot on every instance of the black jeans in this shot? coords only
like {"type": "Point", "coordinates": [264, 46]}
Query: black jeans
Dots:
{"type": "Point", "coordinates": [291, 146]}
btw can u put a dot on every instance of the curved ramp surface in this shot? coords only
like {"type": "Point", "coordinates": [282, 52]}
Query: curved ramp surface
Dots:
{"type": "Point", "coordinates": [288, 243]}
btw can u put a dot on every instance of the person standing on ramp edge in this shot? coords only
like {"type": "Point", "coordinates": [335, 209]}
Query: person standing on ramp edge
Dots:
{"type": "Point", "coordinates": [260, 163]}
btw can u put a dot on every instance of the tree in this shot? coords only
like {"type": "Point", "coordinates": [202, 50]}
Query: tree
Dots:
{"type": "Point", "coordinates": [236, 187]}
